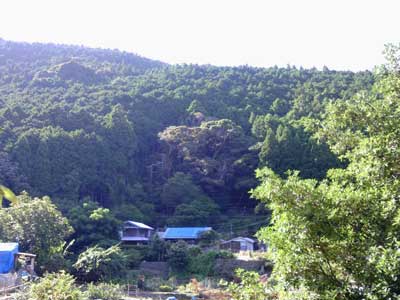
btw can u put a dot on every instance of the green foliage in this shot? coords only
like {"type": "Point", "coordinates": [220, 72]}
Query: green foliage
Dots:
{"type": "Point", "coordinates": [179, 189]}
{"type": "Point", "coordinates": [338, 238]}
{"type": "Point", "coordinates": [185, 260]}
{"type": "Point", "coordinates": [10, 173]}
{"type": "Point", "coordinates": [250, 287]}
{"type": "Point", "coordinates": [202, 263]}
{"type": "Point", "coordinates": [178, 256]}
{"type": "Point", "coordinates": [225, 254]}
{"type": "Point", "coordinates": [209, 238]}
{"type": "Point", "coordinates": [134, 256]}
{"type": "Point", "coordinates": [157, 249]}
{"type": "Point", "coordinates": [207, 151]}
{"type": "Point", "coordinates": [166, 288]}
{"type": "Point", "coordinates": [196, 213]}
{"type": "Point", "coordinates": [285, 145]}
{"type": "Point", "coordinates": [58, 258]}
{"type": "Point", "coordinates": [8, 194]}
{"type": "Point", "coordinates": [104, 291]}
{"type": "Point", "coordinates": [97, 263]}
{"type": "Point", "coordinates": [93, 225]}
{"type": "Point", "coordinates": [60, 286]}
{"type": "Point", "coordinates": [129, 212]}
{"type": "Point", "coordinates": [38, 227]}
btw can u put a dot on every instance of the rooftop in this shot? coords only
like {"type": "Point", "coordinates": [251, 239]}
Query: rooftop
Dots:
{"type": "Point", "coordinates": [137, 225]}
{"type": "Point", "coordinates": [240, 239]}
{"type": "Point", "coordinates": [134, 239]}
{"type": "Point", "coordinates": [184, 232]}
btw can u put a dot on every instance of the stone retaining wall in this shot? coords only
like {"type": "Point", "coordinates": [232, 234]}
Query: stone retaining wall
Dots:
{"type": "Point", "coordinates": [155, 268]}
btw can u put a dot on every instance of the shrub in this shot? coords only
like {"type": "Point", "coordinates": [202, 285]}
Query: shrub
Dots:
{"type": "Point", "coordinates": [193, 287]}
{"type": "Point", "coordinates": [178, 257]}
{"type": "Point", "coordinates": [133, 256]}
{"type": "Point", "coordinates": [104, 291]}
{"type": "Point", "coordinates": [60, 286]}
{"type": "Point", "coordinates": [22, 294]}
{"type": "Point", "coordinates": [92, 224]}
{"type": "Point", "coordinates": [194, 251]}
{"type": "Point", "coordinates": [202, 264]}
{"type": "Point", "coordinates": [157, 249]}
{"type": "Point", "coordinates": [166, 288]}
{"type": "Point", "coordinates": [97, 263]}
{"type": "Point", "coordinates": [249, 287]}
{"type": "Point", "coordinates": [225, 254]}
{"type": "Point", "coordinates": [150, 283]}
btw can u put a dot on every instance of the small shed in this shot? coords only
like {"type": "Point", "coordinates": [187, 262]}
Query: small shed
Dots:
{"type": "Point", "coordinates": [239, 244]}
{"type": "Point", "coordinates": [8, 252]}
{"type": "Point", "coordinates": [188, 234]}
{"type": "Point", "coordinates": [136, 232]}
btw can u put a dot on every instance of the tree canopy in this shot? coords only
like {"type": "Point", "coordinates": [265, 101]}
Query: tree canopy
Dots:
{"type": "Point", "coordinates": [338, 238]}
{"type": "Point", "coordinates": [37, 225]}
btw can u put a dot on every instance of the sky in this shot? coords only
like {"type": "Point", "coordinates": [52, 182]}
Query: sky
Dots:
{"type": "Point", "coordinates": [339, 34]}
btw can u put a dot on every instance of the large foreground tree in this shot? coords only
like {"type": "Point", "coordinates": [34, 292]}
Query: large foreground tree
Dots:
{"type": "Point", "coordinates": [339, 238]}
{"type": "Point", "coordinates": [38, 226]}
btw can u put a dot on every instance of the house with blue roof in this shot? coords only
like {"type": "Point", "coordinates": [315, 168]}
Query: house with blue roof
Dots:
{"type": "Point", "coordinates": [188, 234]}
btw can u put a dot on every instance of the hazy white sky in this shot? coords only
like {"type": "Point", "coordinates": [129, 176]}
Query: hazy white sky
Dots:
{"type": "Point", "coordinates": [341, 34]}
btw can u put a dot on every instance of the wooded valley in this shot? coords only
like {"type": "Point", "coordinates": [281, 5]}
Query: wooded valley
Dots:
{"type": "Point", "coordinates": [303, 160]}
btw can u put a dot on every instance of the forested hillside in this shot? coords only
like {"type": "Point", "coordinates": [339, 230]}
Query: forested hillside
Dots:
{"type": "Point", "coordinates": [163, 144]}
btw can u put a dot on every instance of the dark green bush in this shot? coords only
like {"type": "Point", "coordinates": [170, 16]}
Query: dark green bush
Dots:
{"type": "Point", "coordinates": [178, 256]}
{"type": "Point", "coordinates": [133, 256]}
{"type": "Point", "coordinates": [157, 249]}
{"type": "Point", "coordinates": [97, 263]}
{"type": "Point", "coordinates": [202, 264]}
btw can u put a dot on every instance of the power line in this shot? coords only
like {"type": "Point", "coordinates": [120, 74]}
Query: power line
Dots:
{"type": "Point", "coordinates": [265, 222]}
{"type": "Point", "coordinates": [236, 219]}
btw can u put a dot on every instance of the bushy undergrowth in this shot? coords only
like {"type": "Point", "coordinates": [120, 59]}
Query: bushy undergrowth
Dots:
{"type": "Point", "coordinates": [97, 263]}
{"type": "Point", "coordinates": [186, 260]}
{"type": "Point", "coordinates": [55, 286]}
{"type": "Point", "coordinates": [62, 286]}
{"type": "Point", "coordinates": [104, 291]}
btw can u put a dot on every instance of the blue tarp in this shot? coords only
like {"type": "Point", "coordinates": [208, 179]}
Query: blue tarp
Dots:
{"type": "Point", "coordinates": [7, 253]}
{"type": "Point", "coordinates": [184, 232]}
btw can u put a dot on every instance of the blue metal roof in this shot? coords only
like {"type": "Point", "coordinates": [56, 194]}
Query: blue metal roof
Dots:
{"type": "Point", "coordinates": [184, 232]}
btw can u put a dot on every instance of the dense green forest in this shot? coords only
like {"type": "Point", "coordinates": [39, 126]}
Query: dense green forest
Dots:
{"type": "Point", "coordinates": [164, 144]}
{"type": "Point", "coordinates": [92, 137]}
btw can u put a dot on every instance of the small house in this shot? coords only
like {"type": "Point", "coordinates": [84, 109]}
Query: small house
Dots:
{"type": "Point", "coordinates": [239, 244]}
{"type": "Point", "coordinates": [190, 235]}
{"type": "Point", "coordinates": [136, 232]}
